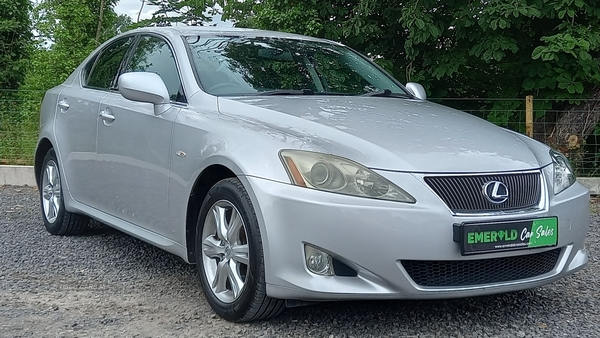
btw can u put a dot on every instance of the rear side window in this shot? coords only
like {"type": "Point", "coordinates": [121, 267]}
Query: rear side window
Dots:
{"type": "Point", "coordinates": [88, 69]}
{"type": "Point", "coordinates": [153, 54]}
{"type": "Point", "coordinates": [103, 70]}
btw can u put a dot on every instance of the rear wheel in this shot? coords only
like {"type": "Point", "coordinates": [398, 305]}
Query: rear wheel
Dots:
{"type": "Point", "coordinates": [57, 219]}
{"type": "Point", "coordinates": [230, 257]}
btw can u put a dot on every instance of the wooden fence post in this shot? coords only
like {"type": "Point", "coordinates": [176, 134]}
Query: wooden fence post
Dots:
{"type": "Point", "coordinates": [529, 115]}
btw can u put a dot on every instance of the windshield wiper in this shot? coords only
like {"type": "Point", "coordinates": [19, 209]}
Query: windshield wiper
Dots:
{"type": "Point", "coordinates": [387, 93]}
{"type": "Point", "coordinates": [287, 92]}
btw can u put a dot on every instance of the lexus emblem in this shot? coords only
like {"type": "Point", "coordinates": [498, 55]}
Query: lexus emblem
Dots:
{"type": "Point", "coordinates": [495, 191]}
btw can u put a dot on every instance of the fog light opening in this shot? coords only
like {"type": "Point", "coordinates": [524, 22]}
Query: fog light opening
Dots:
{"type": "Point", "coordinates": [318, 262]}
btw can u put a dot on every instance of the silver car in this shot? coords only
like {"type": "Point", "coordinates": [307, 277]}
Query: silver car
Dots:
{"type": "Point", "coordinates": [293, 170]}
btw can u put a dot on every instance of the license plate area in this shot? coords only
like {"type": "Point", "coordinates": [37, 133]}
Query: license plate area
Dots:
{"type": "Point", "coordinates": [486, 237]}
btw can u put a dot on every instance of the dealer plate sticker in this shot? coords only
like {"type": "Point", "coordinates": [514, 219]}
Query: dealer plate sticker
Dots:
{"type": "Point", "coordinates": [505, 236]}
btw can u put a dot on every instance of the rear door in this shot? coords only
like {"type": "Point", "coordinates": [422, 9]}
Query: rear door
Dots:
{"type": "Point", "coordinates": [134, 145]}
{"type": "Point", "coordinates": [77, 116]}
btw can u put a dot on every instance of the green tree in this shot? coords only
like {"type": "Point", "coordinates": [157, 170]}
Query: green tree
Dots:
{"type": "Point", "coordinates": [189, 12]}
{"type": "Point", "coordinates": [68, 31]}
{"type": "Point", "coordinates": [15, 42]}
{"type": "Point", "coordinates": [462, 48]}
{"type": "Point", "coordinates": [15, 48]}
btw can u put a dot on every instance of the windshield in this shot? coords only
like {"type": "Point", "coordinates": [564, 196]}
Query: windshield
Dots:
{"type": "Point", "coordinates": [261, 66]}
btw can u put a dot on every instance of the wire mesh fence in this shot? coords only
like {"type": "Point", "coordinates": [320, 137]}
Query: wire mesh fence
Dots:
{"type": "Point", "coordinates": [507, 113]}
{"type": "Point", "coordinates": [571, 127]}
{"type": "Point", "coordinates": [19, 124]}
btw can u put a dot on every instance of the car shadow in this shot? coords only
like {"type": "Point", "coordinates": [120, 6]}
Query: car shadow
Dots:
{"type": "Point", "coordinates": [96, 228]}
{"type": "Point", "coordinates": [478, 316]}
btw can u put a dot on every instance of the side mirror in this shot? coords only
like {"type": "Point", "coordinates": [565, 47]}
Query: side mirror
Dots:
{"type": "Point", "coordinates": [145, 87]}
{"type": "Point", "coordinates": [417, 90]}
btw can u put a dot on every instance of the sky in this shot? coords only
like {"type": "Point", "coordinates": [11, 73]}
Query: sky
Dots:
{"type": "Point", "coordinates": [132, 8]}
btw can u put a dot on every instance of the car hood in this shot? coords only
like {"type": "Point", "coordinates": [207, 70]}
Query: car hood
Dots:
{"type": "Point", "coordinates": [387, 133]}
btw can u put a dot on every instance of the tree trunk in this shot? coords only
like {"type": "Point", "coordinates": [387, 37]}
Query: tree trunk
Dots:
{"type": "Point", "coordinates": [140, 12]}
{"type": "Point", "coordinates": [101, 17]}
{"type": "Point", "coordinates": [566, 129]}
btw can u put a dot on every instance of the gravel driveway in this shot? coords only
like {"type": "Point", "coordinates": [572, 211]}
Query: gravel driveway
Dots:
{"type": "Point", "coordinates": [107, 284]}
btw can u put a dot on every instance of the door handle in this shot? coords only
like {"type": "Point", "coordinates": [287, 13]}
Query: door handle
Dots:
{"type": "Point", "coordinates": [107, 117]}
{"type": "Point", "coordinates": [63, 105]}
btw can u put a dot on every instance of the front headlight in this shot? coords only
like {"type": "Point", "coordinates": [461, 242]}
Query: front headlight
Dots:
{"type": "Point", "coordinates": [564, 176]}
{"type": "Point", "coordinates": [336, 174]}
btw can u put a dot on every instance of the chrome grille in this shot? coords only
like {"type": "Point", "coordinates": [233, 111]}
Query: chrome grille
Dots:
{"type": "Point", "coordinates": [464, 194]}
{"type": "Point", "coordinates": [481, 271]}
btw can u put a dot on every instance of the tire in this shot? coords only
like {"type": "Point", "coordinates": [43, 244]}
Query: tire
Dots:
{"type": "Point", "coordinates": [229, 255]}
{"type": "Point", "coordinates": [57, 219]}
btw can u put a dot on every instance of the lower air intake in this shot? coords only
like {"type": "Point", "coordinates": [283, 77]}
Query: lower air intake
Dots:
{"type": "Point", "coordinates": [481, 271]}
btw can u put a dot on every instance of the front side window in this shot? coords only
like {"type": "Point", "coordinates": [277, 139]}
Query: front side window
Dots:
{"type": "Point", "coordinates": [101, 72]}
{"type": "Point", "coordinates": [153, 54]}
{"type": "Point", "coordinates": [255, 65]}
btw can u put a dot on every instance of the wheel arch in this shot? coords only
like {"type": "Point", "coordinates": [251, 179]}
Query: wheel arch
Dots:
{"type": "Point", "coordinates": [43, 146]}
{"type": "Point", "coordinates": [207, 178]}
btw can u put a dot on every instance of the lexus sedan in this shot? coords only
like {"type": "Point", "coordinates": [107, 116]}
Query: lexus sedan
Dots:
{"type": "Point", "coordinates": [294, 170]}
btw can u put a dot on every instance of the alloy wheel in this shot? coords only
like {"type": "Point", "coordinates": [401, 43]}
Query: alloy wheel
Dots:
{"type": "Point", "coordinates": [51, 191]}
{"type": "Point", "coordinates": [225, 251]}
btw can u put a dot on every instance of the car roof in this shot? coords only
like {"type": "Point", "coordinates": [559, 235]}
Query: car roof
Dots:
{"type": "Point", "coordinates": [225, 31]}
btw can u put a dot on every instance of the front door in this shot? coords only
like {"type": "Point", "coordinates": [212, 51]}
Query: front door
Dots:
{"type": "Point", "coordinates": [134, 145]}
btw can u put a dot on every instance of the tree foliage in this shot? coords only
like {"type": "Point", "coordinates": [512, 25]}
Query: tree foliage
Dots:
{"type": "Point", "coordinates": [496, 48]}
{"type": "Point", "coordinates": [68, 30]}
{"type": "Point", "coordinates": [72, 26]}
{"type": "Point", "coordinates": [15, 42]}
{"type": "Point", "coordinates": [15, 48]}
{"type": "Point", "coordinates": [189, 12]}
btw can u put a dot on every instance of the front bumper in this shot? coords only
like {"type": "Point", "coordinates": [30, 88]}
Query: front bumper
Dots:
{"type": "Point", "coordinates": [374, 236]}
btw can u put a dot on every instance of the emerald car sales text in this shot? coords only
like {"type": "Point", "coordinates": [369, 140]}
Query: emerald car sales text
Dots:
{"type": "Point", "coordinates": [507, 235]}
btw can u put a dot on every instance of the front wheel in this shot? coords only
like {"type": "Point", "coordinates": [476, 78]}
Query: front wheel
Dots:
{"type": "Point", "coordinates": [57, 219]}
{"type": "Point", "coordinates": [229, 255]}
